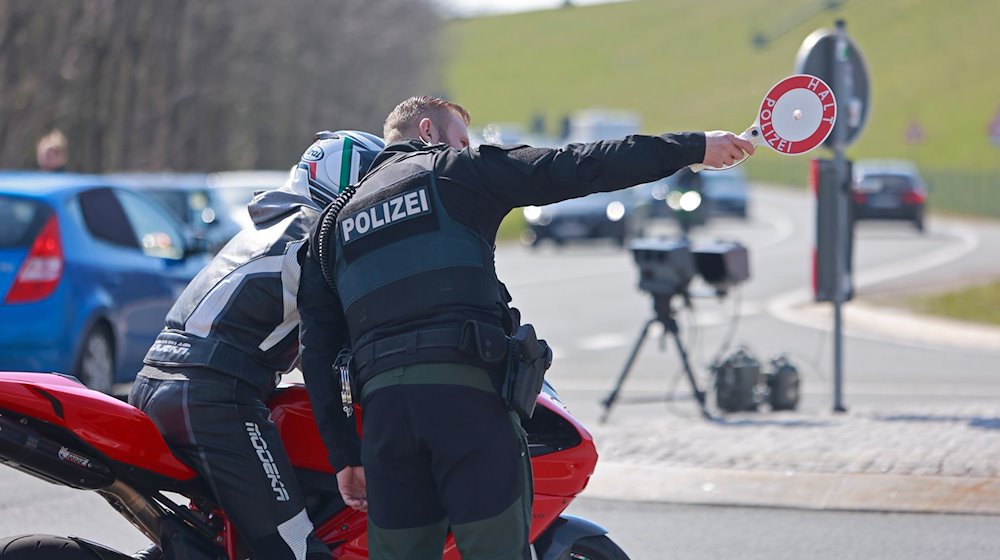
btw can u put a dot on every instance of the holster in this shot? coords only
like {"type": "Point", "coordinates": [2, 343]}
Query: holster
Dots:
{"type": "Point", "coordinates": [527, 360]}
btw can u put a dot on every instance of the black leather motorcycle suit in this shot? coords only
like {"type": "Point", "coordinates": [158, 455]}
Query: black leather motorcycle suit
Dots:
{"type": "Point", "coordinates": [238, 316]}
{"type": "Point", "coordinates": [228, 337]}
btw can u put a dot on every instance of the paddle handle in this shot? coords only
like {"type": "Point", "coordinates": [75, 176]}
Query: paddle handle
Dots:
{"type": "Point", "coordinates": [752, 134]}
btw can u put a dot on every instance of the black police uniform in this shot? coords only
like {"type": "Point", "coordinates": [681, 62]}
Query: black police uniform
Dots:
{"type": "Point", "coordinates": [413, 266]}
{"type": "Point", "coordinates": [210, 371]}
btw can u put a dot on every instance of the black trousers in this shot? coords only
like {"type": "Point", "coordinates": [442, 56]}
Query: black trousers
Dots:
{"type": "Point", "coordinates": [221, 427]}
{"type": "Point", "coordinates": [441, 451]}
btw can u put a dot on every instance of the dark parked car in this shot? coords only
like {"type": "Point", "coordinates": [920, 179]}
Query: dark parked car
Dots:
{"type": "Point", "coordinates": [726, 192]}
{"type": "Point", "coordinates": [888, 190]}
{"type": "Point", "coordinates": [617, 216]}
{"type": "Point", "coordinates": [88, 271]}
{"type": "Point", "coordinates": [723, 193]}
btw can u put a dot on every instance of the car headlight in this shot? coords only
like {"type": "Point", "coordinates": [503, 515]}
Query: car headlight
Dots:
{"type": "Point", "coordinates": [687, 201]}
{"type": "Point", "coordinates": [615, 211]}
{"type": "Point", "coordinates": [534, 215]}
{"type": "Point", "coordinates": [690, 201]}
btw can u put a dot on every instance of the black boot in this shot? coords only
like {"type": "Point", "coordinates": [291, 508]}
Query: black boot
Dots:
{"type": "Point", "coordinates": [151, 552]}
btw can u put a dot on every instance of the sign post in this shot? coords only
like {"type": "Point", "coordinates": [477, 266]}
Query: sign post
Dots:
{"type": "Point", "coordinates": [833, 57]}
{"type": "Point", "coordinates": [840, 84]}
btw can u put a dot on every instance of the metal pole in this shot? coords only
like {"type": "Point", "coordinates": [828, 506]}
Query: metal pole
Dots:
{"type": "Point", "coordinates": [840, 91]}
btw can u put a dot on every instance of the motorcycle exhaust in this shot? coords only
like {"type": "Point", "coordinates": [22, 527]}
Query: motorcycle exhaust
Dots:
{"type": "Point", "coordinates": [27, 450]}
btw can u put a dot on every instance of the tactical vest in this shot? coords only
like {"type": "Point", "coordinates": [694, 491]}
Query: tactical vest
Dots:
{"type": "Point", "coordinates": [401, 259]}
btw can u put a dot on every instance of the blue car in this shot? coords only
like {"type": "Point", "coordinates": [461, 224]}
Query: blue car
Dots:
{"type": "Point", "coordinates": [88, 271]}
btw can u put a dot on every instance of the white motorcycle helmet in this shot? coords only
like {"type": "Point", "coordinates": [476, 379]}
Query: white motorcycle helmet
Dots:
{"type": "Point", "coordinates": [336, 160]}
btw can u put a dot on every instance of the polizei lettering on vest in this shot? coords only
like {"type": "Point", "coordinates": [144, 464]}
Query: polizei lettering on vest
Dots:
{"type": "Point", "coordinates": [402, 207]}
{"type": "Point", "coordinates": [267, 461]}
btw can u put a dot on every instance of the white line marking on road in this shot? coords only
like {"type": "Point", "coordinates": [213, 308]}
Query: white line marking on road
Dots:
{"type": "Point", "coordinates": [861, 321]}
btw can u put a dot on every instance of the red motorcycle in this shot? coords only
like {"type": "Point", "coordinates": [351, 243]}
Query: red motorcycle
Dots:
{"type": "Point", "coordinates": [56, 429]}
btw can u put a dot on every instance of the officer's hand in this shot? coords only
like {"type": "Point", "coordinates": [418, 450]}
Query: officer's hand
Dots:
{"type": "Point", "coordinates": [351, 481]}
{"type": "Point", "coordinates": [725, 148]}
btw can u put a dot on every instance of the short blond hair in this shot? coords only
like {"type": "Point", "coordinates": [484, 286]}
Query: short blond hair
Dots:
{"type": "Point", "coordinates": [403, 120]}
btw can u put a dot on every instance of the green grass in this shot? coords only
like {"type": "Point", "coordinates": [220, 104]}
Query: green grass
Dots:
{"type": "Point", "coordinates": [511, 226]}
{"type": "Point", "coordinates": [978, 303]}
{"type": "Point", "coordinates": [689, 64]}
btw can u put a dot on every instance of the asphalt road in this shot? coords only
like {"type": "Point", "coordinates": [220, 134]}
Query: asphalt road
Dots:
{"type": "Point", "coordinates": [584, 300]}
{"type": "Point", "coordinates": [678, 532]}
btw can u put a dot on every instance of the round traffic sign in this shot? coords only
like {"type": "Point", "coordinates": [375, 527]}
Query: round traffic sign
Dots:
{"type": "Point", "coordinates": [797, 114]}
{"type": "Point", "coordinates": [816, 57]}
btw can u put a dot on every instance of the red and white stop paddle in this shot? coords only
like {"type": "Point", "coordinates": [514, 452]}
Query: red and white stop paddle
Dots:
{"type": "Point", "coordinates": [797, 115]}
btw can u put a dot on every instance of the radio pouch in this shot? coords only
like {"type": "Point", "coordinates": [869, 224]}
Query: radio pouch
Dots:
{"type": "Point", "coordinates": [487, 342]}
{"type": "Point", "coordinates": [527, 360]}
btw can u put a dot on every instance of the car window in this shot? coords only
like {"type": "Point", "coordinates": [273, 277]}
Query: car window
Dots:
{"type": "Point", "coordinates": [20, 221]}
{"type": "Point", "coordinates": [175, 201]}
{"type": "Point", "coordinates": [105, 218]}
{"type": "Point", "coordinates": [885, 183]}
{"type": "Point", "coordinates": [158, 234]}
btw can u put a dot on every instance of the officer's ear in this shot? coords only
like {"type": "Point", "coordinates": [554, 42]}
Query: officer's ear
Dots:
{"type": "Point", "coordinates": [426, 130]}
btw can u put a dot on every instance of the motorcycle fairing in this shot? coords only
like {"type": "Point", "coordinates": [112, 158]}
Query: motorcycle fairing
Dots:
{"type": "Point", "coordinates": [562, 450]}
{"type": "Point", "coordinates": [118, 430]}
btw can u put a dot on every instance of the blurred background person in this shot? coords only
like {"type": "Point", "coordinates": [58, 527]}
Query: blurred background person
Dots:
{"type": "Point", "coordinates": [52, 151]}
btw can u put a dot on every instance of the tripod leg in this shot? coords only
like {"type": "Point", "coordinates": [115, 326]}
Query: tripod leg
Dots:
{"type": "Point", "coordinates": [699, 395]}
{"type": "Point", "coordinates": [609, 401]}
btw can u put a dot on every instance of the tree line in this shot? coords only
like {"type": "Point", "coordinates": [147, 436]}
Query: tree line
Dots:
{"type": "Point", "coordinates": [194, 85]}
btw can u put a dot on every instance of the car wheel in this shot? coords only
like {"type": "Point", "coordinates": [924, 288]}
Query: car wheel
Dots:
{"type": "Point", "coordinates": [918, 223]}
{"type": "Point", "coordinates": [96, 366]}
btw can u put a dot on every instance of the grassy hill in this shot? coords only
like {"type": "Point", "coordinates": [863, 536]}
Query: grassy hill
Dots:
{"type": "Point", "coordinates": [690, 64]}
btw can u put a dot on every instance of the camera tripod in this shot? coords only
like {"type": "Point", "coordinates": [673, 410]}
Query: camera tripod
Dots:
{"type": "Point", "coordinates": [664, 315]}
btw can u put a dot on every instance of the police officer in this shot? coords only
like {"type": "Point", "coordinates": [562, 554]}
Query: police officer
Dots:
{"type": "Point", "coordinates": [409, 253]}
{"type": "Point", "coordinates": [227, 340]}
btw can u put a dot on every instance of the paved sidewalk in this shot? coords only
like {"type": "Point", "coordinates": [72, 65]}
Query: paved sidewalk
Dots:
{"type": "Point", "coordinates": [916, 458]}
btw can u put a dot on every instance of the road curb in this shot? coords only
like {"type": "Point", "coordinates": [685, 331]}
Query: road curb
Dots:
{"type": "Point", "coordinates": [799, 490]}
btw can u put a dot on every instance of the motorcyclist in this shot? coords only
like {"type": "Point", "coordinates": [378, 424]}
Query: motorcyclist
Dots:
{"type": "Point", "coordinates": [230, 336]}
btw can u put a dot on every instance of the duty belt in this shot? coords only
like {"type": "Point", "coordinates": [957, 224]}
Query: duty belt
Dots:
{"type": "Point", "coordinates": [487, 342]}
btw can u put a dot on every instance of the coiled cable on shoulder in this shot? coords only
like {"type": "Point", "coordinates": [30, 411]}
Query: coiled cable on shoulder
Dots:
{"type": "Point", "coordinates": [328, 232]}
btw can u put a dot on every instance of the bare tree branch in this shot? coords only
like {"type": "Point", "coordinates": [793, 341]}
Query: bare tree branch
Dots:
{"type": "Point", "coordinates": [192, 85]}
